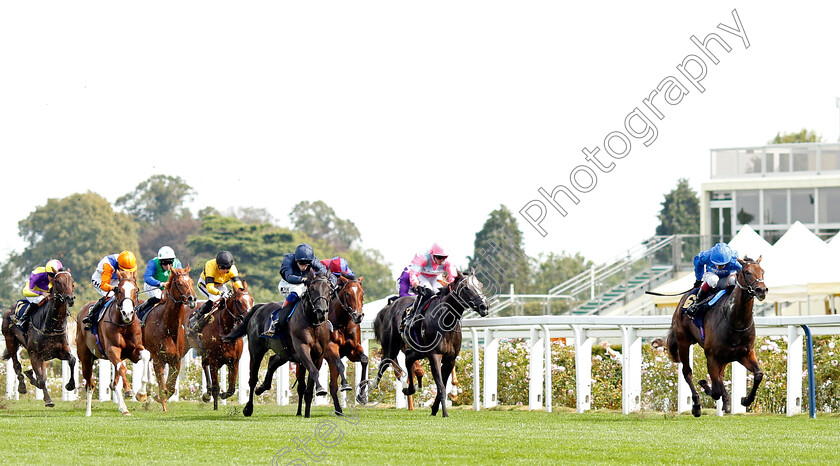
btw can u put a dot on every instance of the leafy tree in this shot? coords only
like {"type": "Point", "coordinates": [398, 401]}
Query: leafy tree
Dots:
{"type": "Point", "coordinates": [79, 230]}
{"type": "Point", "coordinates": [253, 215]}
{"type": "Point", "coordinates": [680, 212]}
{"type": "Point", "coordinates": [554, 269]}
{"type": "Point", "coordinates": [173, 233]}
{"type": "Point", "coordinates": [802, 136]}
{"type": "Point", "coordinates": [498, 257]}
{"type": "Point", "coordinates": [319, 221]}
{"type": "Point", "coordinates": [157, 199]}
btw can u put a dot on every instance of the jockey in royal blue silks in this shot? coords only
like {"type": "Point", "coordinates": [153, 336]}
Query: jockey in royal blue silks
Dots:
{"type": "Point", "coordinates": [714, 269]}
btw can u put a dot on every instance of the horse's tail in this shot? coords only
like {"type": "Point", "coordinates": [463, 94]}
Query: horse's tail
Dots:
{"type": "Point", "coordinates": [240, 330]}
{"type": "Point", "coordinates": [379, 322]}
{"type": "Point", "coordinates": [673, 349]}
{"type": "Point", "coordinates": [6, 355]}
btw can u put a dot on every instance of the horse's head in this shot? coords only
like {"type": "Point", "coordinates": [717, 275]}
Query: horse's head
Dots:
{"type": "Point", "coordinates": [751, 278]}
{"type": "Point", "coordinates": [351, 296]}
{"type": "Point", "coordinates": [62, 289]}
{"type": "Point", "coordinates": [239, 303]}
{"type": "Point", "coordinates": [180, 287]}
{"type": "Point", "coordinates": [318, 292]}
{"type": "Point", "coordinates": [470, 291]}
{"type": "Point", "coordinates": [125, 295]}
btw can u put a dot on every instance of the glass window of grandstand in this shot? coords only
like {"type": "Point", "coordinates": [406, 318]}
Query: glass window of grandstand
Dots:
{"type": "Point", "coordinates": [829, 205]}
{"type": "Point", "coordinates": [775, 207]}
{"type": "Point", "coordinates": [802, 205]}
{"type": "Point", "coordinates": [805, 159]}
{"type": "Point", "coordinates": [749, 161]}
{"type": "Point", "coordinates": [771, 236]}
{"type": "Point", "coordinates": [830, 158]}
{"type": "Point", "coordinates": [747, 208]}
{"type": "Point", "coordinates": [778, 159]}
{"type": "Point", "coordinates": [724, 163]}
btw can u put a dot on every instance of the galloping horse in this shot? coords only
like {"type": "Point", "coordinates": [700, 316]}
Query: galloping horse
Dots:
{"type": "Point", "coordinates": [217, 351]}
{"type": "Point", "coordinates": [346, 338]}
{"type": "Point", "coordinates": [309, 335]}
{"type": "Point", "coordinates": [120, 337]}
{"type": "Point", "coordinates": [434, 334]}
{"type": "Point", "coordinates": [163, 332]}
{"type": "Point", "coordinates": [46, 337]}
{"type": "Point", "coordinates": [730, 335]}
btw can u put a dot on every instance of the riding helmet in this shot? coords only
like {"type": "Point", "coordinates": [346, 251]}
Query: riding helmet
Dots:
{"type": "Point", "coordinates": [166, 253]}
{"type": "Point", "coordinates": [224, 260]}
{"type": "Point", "coordinates": [721, 254]}
{"type": "Point", "coordinates": [127, 261]}
{"type": "Point", "coordinates": [53, 266]}
{"type": "Point", "coordinates": [304, 252]}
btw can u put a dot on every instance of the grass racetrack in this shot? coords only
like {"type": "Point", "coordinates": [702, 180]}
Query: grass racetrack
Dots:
{"type": "Point", "coordinates": [193, 433]}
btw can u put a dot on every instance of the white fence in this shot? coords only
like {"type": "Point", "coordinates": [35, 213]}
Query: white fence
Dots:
{"type": "Point", "coordinates": [583, 330]}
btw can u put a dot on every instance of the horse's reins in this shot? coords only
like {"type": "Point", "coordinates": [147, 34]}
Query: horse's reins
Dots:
{"type": "Point", "coordinates": [343, 304]}
{"type": "Point", "coordinates": [61, 299]}
{"type": "Point", "coordinates": [312, 302]}
{"type": "Point", "coordinates": [750, 289]}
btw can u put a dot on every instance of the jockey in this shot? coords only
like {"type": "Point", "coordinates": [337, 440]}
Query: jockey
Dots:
{"type": "Point", "coordinates": [715, 268]}
{"type": "Point", "coordinates": [157, 274]}
{"type": "Point", "coordinates": [404, 284]}
{"type": "Point", "coordinates": [338, 266]}
{"type": "Point", "coordinates": [217, 272]}
{"type": "Point", "coordinates": [104, 280]}
{"type": "Point", "coordinates": [293, 270]}
{"type": "Point", "coordinates": [37, 289]}
{"type": "Point", "coordinates": [428, 274]}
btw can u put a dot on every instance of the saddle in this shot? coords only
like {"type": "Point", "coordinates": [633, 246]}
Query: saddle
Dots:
{"type": "Point", "coordinates": [702, 307]}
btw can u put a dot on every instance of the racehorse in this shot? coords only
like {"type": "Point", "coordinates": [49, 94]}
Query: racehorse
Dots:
{"type": "Point", "coordinates": [346, 337]}
{"type": "Point", "coordinates": [45, 338]}
{"type": "Point", "coordinates": [163, 333]}
{"type": "Point", "coordinates": [217, 351]}
{"type": "Point", "coordinates": [434, 334]}
{"type": "Point", "coordinates": [119, 337]}
{"type": "Point", "coordinates": [309, 336]}
{"type": "Point", "coordinates": [729, 336]}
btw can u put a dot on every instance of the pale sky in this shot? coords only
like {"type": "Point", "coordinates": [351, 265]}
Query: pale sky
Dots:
{"type": "Point", "coordinates": [414, 120]}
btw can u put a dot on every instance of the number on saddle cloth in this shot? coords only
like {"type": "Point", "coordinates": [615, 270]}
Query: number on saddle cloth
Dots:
{"type": "Point", "coordinates": [20, 306]}
{"type": "Point", "coordinates": [281, 319]}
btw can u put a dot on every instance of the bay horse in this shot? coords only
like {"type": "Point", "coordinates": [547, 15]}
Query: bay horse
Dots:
{"type": "Point", "coordinates": [163, 333]}
{"type": "Point", "coordinates": [730, 336]}
{"type": "Point", "coordinates": [120, 337]}
{"type": "Point", "coordinates": [45, 338]}
{"type": "Point", "coordinates": [434, 333]}
{"type": "Point", "coordinates": [346, 337]}
{"type": "Point", "coordinates": [219, 352]}
{"type": "Point", "coordinates": [309, 337]}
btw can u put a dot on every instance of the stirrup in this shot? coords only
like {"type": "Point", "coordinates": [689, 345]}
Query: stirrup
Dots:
{"type": "Point", "coordinates": [272, 329]}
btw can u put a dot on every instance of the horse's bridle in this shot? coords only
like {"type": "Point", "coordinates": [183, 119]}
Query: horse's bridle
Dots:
{"type": "Point", "coordinates": [187, 298]}
{"type": "Point", "coordinates": [60, 297]}
{"type": "Point", "coordinates": [325, 297]}
{"type": "Point", "coordinates": [459, 290]}
{"type": "Point", "coordinates": [236, 318]}
{"type": "Point", "coordinates": [349, 309]}
{"type": "Point", "coordinates": [750, 288]}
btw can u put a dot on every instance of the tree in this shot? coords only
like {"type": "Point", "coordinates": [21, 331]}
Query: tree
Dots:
{"type": "Point", "coordinates": [498, 256]}
{"type": "Point", "coordinates": [802, 136]}
{"type": "Point", "coordinates": [174, 233]}
{"type": "Point", "coordinates": [555, 269]}
{"type": "Point", "coordinates": [680, 212]}
{"type": "Point", "coordinates": [319, 221]}
{"type": "Point", "coordinates": [79, 230]}
{"type": "Point", "coordinates": [159, 198]}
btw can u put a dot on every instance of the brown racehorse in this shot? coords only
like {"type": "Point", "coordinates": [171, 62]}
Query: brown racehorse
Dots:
{"type": "Point", "coordinates": [346, 338]}
{"type": "Point", "coordinates": [218, 352]}
{"type": "Point", "coordinates": [119, 334]}
{"type": "Point", "coordinates": [163, 333]}
{"type": "Point", "coordinates": [46, 336]}
{"type": "Point", "coordinates": [730, 336]}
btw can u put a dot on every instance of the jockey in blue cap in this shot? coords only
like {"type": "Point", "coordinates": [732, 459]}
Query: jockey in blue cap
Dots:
{"type": "Point", "coordinates": [715, 268]}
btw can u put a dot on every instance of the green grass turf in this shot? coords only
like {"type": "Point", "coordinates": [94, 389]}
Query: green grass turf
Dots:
{"type": "Point", "coordinates": [193, 433]}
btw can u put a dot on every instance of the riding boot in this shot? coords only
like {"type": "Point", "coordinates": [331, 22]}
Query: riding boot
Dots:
{"type": "Point", "coordinates": [698, 303]}
{"type": "Point", "coordinates": [24, 315]}
{"type": "Point", "coordinates": [272, 329]}
{"type": "Point", "coordinates": [141, 309]}
{"type": "Point", "coordinates": [418, 303]}
{"type": "Point", "coordinates": [94, 313]}
{"type": "Point", "coordinates": [199, 317]}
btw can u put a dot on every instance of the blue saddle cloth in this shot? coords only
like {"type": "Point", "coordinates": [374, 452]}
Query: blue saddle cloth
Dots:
{"type": "Point", "coordinates": [275, 315]}
{"type": "Point", "coordinates": [701, 313]}
{"type": "Point", "coordinates": [94, 328]}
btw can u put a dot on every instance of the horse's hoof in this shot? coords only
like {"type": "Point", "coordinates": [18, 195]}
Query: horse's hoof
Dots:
{"type": "Point", "coordinates": [320, 392]}
{"type": "Point", "coordinates": [71, 385]}
{"type": "Point", "coordinates": [141, 397]}
{"type": "Point", "coordinates": [225, 395]}
{"type": "Point", "coordinates": [339, 413]}
{"type": "Point", "coordinates": [695, 410]}
{"type": "Point", "coordinates": [361, 399]}
{"type": "Point", "coordinates": [128, 394]}
{"type": "Point", "coordinates": [408, 391]}
{"type": "Point", "coordinates": [126, 413]}
{"type": "Point", "coordinates": [745, 402]}
{"type": "Point", "coordinates": [248, 410]}
{"type": "Point", "coordinates": [260, 390]}
{"type": "Point", "coordinates": [346, 387]}
{"type": "Point", "coordinates": [205, 397]}
{"type": "Point", "coordinates": [49, 404]}
{"type": "Point", "coordinates": [22, 389]}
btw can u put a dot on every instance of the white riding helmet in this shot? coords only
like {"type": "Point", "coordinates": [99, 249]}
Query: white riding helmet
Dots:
{"type": "Point", "coordinates": [166, 253]}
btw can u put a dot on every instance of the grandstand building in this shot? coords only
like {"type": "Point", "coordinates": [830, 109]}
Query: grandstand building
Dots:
{"type": "Point", "coordinates": [770, 188]}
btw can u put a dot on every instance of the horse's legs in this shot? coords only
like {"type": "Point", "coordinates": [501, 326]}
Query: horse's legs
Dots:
{"type": "Point", "coordinates": [274, 362]}
{"type": "Point", "coordinates": [86, 361]}
{"type": "Point", "coordinates": [162, 395]}
{"type": "Point", "coordinates": [213, 383]}
{"type": "Point", "coordinates": [66, 355]}
{"type": "Point", "coordinates": [361, 396]}
{"type": "Point", "coordinates": [305, 353]}
{"type": "Point", "coordinates": [684, 352]}
{"type": "Point", "coordinates": [12, 346]}
{"type": "Point", "coordinates": [313, 379]}
{"type": "Point", "coordinates": [751, 363]}
{"type": "Point", "coordinates": [447, 369]}
{"type": "Point", "coordinates": [434, 363]}
{"type": "Point", "coordinates": [233, 370]}
{"type": "Point", "coordinates": [334, 383]}
{"type": "Point", "coordinates": [146, 377]}
{"type": "Point", "coordinates": [257, 353]}
{"type": "Point", "coordinates": [42, 380]}
{"type": "Point", "coordinates": [409, 363]}
{"type": "Point", "coordinates": [205, 370]}
{"type": "Point", "coordinates": [174, 372]}
{"type": "Point", "coordinates": [114, 354]}
{"type": "Point", "coordinates": [301, 386]}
